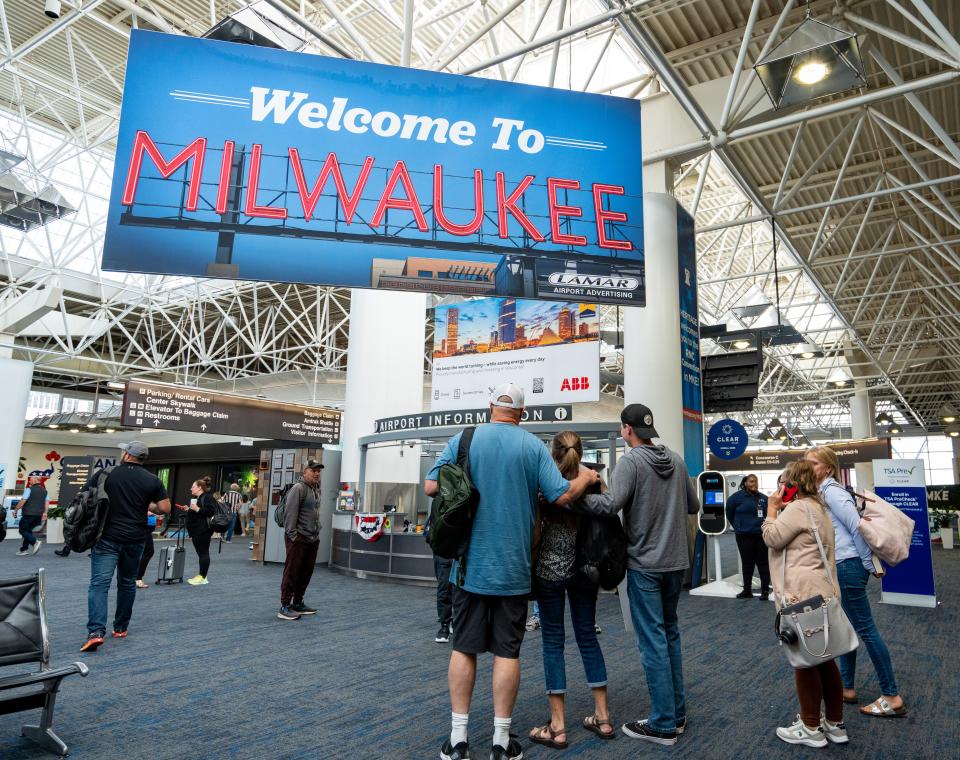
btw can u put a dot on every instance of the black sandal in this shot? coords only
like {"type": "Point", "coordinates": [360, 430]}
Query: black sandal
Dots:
{"type": "Point", "coordinates": [592, 723]}
{"type": "Point", "coordinates": [537, 737]}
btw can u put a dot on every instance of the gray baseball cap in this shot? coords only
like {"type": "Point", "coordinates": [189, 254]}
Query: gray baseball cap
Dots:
{"type": "Point", "coordinates": [136, 449]}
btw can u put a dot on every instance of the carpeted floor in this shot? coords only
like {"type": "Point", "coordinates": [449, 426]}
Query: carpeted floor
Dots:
{"type": "Point", "coordinates": [208, 672]}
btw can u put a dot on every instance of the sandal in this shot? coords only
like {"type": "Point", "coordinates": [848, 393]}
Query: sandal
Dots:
{"type": "Point", "coordinates": [592, 723]}
{"type": "Point", "coordinates": [141, 584]}
{"type": "Point", "coordinates": [882, 709]}
{"type": "Point", "coordinates": [546, 736]}
{"type": "Point", "coordinates": [851, 700]}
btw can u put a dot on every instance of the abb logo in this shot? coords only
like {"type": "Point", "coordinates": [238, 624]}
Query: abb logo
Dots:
{"type": "Point", "coordinates": [575, 384]}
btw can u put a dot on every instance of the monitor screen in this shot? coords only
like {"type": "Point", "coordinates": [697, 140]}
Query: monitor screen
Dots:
{"type": "Point", "coordinates": [712, 498]}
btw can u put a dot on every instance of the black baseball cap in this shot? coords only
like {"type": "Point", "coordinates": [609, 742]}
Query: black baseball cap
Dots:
{"type": "Point", "coordinates": [640, 418]}
{"type": "Point", "coordinates": [313, 464]}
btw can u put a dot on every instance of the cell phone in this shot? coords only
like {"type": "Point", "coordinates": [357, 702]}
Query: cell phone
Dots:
{"type": "Point", "coordinates": [790, 491]}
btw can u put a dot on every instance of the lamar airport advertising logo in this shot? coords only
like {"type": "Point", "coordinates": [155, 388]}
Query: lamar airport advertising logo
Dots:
{"type": "Point", "coordinates": [594, 281]}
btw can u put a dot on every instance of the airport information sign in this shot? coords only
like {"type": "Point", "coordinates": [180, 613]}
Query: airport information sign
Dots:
{"type": "Point", "coordinates": [245, 162]}
{"type": "Point", "coordinates": [174, 407]}
{"type": "Point", "coordinates": [459, 417]}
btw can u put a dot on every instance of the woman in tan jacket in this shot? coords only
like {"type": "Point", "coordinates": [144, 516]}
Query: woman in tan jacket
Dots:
{"type": "Point", "coordinates": [797, 572]}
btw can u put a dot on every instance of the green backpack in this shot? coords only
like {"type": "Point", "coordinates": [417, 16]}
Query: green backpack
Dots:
{"type": "Point", "coordinates": [451, 514]}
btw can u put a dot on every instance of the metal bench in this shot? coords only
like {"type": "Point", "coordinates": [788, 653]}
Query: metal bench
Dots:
{"type": "Point", "coordinates": [24, 638]}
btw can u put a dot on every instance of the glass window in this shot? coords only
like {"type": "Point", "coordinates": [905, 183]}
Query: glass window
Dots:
{"type": "Point", "coordinates": [40, 403]}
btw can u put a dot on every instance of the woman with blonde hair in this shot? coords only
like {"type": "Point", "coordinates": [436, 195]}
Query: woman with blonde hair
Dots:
{"type": "Point", "coordinates": [557, 578]}
{"type": "Point", "coordinates": [855, 565]}
{"type": "Point", "coordinates": [798, 572]}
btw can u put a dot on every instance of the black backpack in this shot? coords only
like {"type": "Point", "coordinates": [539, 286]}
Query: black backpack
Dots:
{"type": "Point", "coordinates": [280, 513]}
{"type": "Point", "coordinates": [451, 513]}
{"type": "Point", "coordinates": [222, 517]}
{"type": "Point", "coordinates": [602, 550]}
{"type": "Point", "coordinates": [86, 516]}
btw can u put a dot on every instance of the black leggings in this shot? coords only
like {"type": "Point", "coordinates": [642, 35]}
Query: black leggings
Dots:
{"type": "Point", "coordinates": [753, 553]}
{"type": "Point", "coordinates": [146, 556]}
{"type": "Point", "coordinates": [201, 542]}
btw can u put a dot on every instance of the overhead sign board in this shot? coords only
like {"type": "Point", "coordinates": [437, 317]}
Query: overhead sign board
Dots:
{"type": "Point", "coordinates": [848, 452]}
{"type": "Point", "coordinates": [75, 473]}
{"type": "Point", "coordinates": [173, 407]}
{"type": "Point", "coordinates": [727, 439]}
{"type": "Point", "coordinates": [944, 497]}
{"type": "Point", "coordinates": [458, 417]}
{"type": "Point", "coordinates": [246, 162]}
{"type": "Point", "coordinates": [550, 350]}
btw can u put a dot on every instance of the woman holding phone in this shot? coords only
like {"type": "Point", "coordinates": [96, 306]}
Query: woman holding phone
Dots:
{"type": "Point", "coordinates": [202, 508]}
{"type": "Point", "coordinates": [855, 565]}
{"type": "Point", "coordinates": [798, 573]}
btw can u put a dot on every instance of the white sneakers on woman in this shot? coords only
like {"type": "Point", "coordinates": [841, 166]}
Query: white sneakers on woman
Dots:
{"type": "Point", "coordinates": [800, 733]}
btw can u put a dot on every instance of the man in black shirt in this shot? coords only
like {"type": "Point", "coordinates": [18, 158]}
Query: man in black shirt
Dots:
{"type": "Point", "coordinates": [132, 490]}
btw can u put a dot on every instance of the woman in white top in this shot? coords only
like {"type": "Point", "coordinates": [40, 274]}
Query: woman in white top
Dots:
{"type": "Point", "coordinates": [855, 565]}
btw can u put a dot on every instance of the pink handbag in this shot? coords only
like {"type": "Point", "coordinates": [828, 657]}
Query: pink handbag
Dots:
{"type": "Point", "coordinates": [887, 530]}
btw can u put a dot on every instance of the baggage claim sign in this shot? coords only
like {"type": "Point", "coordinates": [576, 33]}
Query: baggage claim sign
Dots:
{"type": "Point", "coordinates": [246, 162]}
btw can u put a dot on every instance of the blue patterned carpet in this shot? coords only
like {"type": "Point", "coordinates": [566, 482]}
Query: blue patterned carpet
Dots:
{"type": "Point", "coordinates": [208, 672]}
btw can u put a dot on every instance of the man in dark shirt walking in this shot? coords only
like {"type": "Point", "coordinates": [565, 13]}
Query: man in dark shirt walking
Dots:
{"type": "Point", "coordinates": [301, 528]}
{"type": "Point", "coordinates": [31, 506]}
{"type": "Point", "coordinates": [133, 492]}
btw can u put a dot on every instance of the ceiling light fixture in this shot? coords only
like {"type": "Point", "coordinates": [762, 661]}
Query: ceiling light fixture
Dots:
{"type": "Point", "coordinates": [74, 430]}
{"type": "Point", "coordinates": [117, 385]}
{"type": "Point", "coordinates": [741, 344]}
{"type": "Point", "coordinates": [948, 414]}
{"type": "Point", "coordinates": [811, 72]}
{"type": "Point", "coordinates": [53, 426]}
{"type": "Point", "coordinates": [109, 430]}
{"type": "Point", "coordinates": [92, 425]}
{"type": "Point", "coordinates": [884, 419]}
{"type": "Point", "coordinates": [895, 429]}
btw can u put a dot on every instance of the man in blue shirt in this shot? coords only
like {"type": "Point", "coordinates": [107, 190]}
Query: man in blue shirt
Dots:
{"type": "Point", "coordinates": [32, 507]}
{"type": "Point", "coordinates": [509, 468]}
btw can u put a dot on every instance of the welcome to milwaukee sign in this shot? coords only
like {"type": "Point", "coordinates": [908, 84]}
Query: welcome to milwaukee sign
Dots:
{"type": "Point", "coordinates": [261, 164]}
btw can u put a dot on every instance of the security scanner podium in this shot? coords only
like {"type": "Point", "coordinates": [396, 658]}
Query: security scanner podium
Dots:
{"type": "Point", "coordinates": [712, 521]}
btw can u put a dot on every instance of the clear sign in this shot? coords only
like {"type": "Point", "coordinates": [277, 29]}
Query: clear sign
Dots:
{"type": "Point", "coordinates": [237, 161]}
{"type": "Point", "coordinates": [727, 439]}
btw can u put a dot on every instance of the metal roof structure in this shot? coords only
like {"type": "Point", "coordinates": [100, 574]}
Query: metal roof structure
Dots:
{"type": "Point", "coordinates": [860, 189]}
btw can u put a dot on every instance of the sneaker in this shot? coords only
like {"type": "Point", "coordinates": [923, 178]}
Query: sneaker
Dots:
{"type": "Point", "coordinates": [835, 732]}
{"type": "Point", "coordinates": [119, 634]}
{"type": "Point", "coordinates": [442, 636]}
{"type": "Point", "coordinates": [641, 729]}
{"type": "Point", "coordinates": [449, 752]}
{"type": "Point", "coordinates": [513, 749]}
{"type": "Point", "coordinates": [597, 628]}
{"type": "Point", "coordinates": [36, 547]}
{"type": "Point", "coordinates": [288, 613]}
{"type": "Point", "coordinates": [94, 640]}
{"type": "Point", "coordinates": [681, 726]}
{"type": "Point", "coordinates": [61, 553]}
{"type": "Point", "coordinates": [800, 733]}
{"type": "Point", "coordinates": [533, 623]}
{"type": "Point", "coordinates": [198, 580]}
{"type": "Point", "coordinates": [302, 609]}
{"type": "Point", "coordinates": [23, 553]}
{"type": "Point", "coordinates": [764, 596]}
{"type": "Point", "coordinates": [745, 595]}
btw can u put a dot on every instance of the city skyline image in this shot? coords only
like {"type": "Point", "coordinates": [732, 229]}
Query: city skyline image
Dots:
{"type": "Point", "coordinates": [490, 325]}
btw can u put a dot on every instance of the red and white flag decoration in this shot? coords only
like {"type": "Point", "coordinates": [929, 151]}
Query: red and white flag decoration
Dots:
{"type": "Point", "coordinates": [369, 527]}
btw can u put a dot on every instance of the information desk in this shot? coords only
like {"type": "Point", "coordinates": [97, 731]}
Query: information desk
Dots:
{"type": "Point", "coordinates": [403, 557]}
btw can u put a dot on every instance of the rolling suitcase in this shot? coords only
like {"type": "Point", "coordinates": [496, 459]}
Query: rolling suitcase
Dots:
{"type": "Point", "coordinates": [170, 569]}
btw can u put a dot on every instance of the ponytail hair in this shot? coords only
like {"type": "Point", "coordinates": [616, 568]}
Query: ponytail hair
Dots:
{"type": "Point", "coordinates": [205, 483]}
{"type": "Point", "coordinates": [567, 451]}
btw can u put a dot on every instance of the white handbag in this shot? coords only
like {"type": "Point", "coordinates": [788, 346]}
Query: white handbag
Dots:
{"type": "Point", "coordinates": [814, 630]}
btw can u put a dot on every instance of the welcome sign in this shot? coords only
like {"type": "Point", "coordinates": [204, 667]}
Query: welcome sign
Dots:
{"type": "Point", "coordinates": [261, 164]}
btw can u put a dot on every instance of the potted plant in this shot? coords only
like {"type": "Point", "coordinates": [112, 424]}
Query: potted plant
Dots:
{"type": "Point", "coordinates": [941, 521]}
{"type": "Point", "coordinates": [55, 524]}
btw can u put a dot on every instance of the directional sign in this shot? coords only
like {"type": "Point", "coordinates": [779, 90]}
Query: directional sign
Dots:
{"type": "Point", "coordinates": [562, 413]}
{"type": "Point", "coordinates": [74, 476]}
{"type": "Point", "coordinates": [173, 407]}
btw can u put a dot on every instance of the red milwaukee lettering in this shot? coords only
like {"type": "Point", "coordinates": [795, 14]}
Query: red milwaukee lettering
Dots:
{"type": "Point", "coordinates": [226, 165]}
{"type": "Point", "coordinates": [603, 216]}
{"type": "Point", "coordinates": [509, 203]}
{"type": "Point", "coordinates": [440, 215]}
{"type": "Point", "coordinates": [143, 144]}
{"type": "Point", "coordinates": [253, 185]}
{"type": "Point", "coordinates": [557, 210]}
{"type": "Point", "coordinates": [310, 198]}
{"type": "Point", "coordinates": [410, 203]}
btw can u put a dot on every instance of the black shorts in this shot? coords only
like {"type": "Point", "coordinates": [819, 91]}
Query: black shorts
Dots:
{"type": "Point", "coordinates": [488, 623]}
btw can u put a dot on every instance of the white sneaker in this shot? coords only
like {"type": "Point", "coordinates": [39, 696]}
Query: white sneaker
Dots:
{"type": "Point", "coordinates": [23, 552]}
{"type": "Point", "coordinates": [533, 623]}
{"type": "Point", "coordinates": [36, 547]}
{"type": "Point", "coordinates": [198, 580]}
{"type": "Point", "coordinates": [800, 733]}
{"type": "Point", "coordinates": [835, 732]}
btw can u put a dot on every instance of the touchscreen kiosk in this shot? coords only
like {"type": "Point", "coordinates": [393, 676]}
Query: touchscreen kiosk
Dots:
{"type": "Point", "coordinates": [712, 519]}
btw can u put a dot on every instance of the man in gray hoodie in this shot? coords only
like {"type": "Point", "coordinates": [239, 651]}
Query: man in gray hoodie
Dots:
{"type": "Point", "coordinates": [651, 485]}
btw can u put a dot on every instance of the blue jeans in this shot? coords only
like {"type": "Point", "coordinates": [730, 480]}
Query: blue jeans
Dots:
{"type": "Point", "coordinates": [853, 577]}
{"type": "Point", "coordinates": [28, 524]}
{"type": "Point", "coordinates": [583, 612]}
{"type": "Point", "coordinates": [107, 557]}
{"type": "Point", "coordinates": [228, 536]}
{"type": "Point", "coordinates": [441, 569]}
{"type": "Point", "coordinates": [653, 607]}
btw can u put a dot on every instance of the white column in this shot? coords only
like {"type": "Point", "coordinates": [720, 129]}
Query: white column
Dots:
{"type": "Point", "coordinates": [861, 422]}
{"type": "Point", "coordinates": [956, 459]}
{"type": "Point", "coordinates": [15, 379]}
{"type": "Point", "coordinates": [651, 335]}
{"type": "Point", "coordinates": [384, 378]}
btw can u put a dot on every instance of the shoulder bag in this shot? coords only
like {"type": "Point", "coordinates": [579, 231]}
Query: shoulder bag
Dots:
{"type": "Point", "coordinates": [814, 630]}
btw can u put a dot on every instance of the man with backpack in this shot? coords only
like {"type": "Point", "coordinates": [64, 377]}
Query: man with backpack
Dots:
{"type": "Point", "coordinates": [508, 467]}
{"type": "Point", "coordinates": [132, 492]}
{"type": "Point", "coordinates": [651, 486]}
{"type": "Point", "coordinates": [300, 506]}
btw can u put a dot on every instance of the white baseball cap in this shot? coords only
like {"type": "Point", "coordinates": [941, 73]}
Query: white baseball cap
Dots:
{"type": "Point", "coordinates": [515, 392]}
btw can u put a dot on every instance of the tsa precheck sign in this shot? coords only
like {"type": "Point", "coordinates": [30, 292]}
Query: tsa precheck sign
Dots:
{"type": "Point", "coordinates": [260, 164]}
